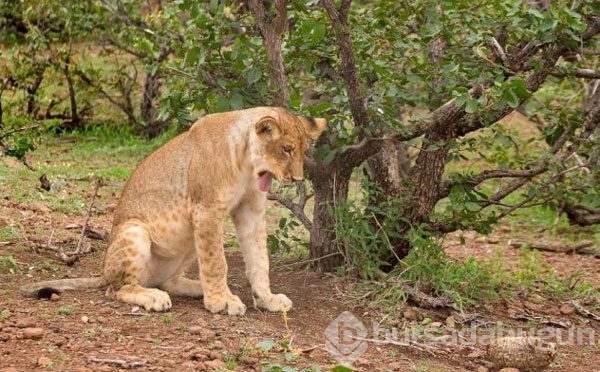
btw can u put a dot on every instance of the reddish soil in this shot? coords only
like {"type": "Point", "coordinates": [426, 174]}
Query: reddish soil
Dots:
{"type": "Point", "coordinates": [85, 331]}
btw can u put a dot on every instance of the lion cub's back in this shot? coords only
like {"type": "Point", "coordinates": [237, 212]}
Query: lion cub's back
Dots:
{"type": "Point", "coordinates": [158, 184]}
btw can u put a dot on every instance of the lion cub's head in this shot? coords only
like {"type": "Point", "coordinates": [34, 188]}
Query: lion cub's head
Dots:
{"type": "Point", "coordinates": [282, 142]}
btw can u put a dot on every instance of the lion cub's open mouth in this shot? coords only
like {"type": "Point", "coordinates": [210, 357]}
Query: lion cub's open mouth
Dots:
{"type": "Point", "coordinates": [265, 178]}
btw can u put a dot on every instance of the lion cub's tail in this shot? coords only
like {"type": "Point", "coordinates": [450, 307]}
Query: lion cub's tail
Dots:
{"type": "Point", "coordinates": [47, 288]}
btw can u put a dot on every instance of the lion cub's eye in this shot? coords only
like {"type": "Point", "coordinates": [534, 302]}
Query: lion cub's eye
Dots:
{"type": "Point", "coordinates": [288, 150]}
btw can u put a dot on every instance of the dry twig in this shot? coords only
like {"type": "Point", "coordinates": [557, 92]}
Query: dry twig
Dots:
{"type": "Point", "coordinates": [97, 185]}
{"type": "Point", "coordinates": [118, 362]}
{"type": "Point", "coordinates": [582, 247]}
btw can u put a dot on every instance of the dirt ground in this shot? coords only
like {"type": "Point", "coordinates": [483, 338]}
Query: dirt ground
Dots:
{"type": "Point", "coordinates": [86, 331]}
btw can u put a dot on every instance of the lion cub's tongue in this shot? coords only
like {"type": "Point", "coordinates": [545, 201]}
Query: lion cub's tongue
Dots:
{"type": "Point", "coordinates": [264, 181]}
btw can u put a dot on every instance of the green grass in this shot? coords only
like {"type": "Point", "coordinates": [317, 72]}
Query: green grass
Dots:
{"type": "Point", "coordinates": [71, 163]}
{"type": "Point", "coordinates": [66, 310]}
{"type": "Point", "coordinates": [166, 319]}
{"type": "Point", "coordinates": [8, 263]}
{"type": "Point", "coordinates": [5, 314]}
{"type": "Point", "coordinates": [8, 234]}
{"type": "Point", "coordinates": [474, 280]}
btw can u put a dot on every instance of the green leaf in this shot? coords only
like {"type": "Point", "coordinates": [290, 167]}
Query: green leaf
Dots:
{"type": "Point", "coordinates": [511, 98]}
{"type": "Point", "coordinates": [289, 356]}
{"type": "Point", "coordinates": [341, 368]}
{"type": "Point", "coordinates": [266, 345]}
{"type": "Point", "coordinates": [236, 101]}
{"type": "Point", "coordinates": [328, 158]}
{"type": "Point", "coordinates": [253, 74]}
{"type": "Point", "coordinates": [312, 31]}
{"type": "Point", "coordinates": [472, 207]}
{"type": "Point", "coordinates": [471, 106]}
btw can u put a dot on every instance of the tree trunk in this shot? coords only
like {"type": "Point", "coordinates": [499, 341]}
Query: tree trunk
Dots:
{"type": "Point", "coordinates": [33, 88]}
{"type": "Point", "coordinates": [272, 29]}
{"type": "Point", "coordinates": [75, 119]}
{"type": "Point", "coordinates": [152, 84]}
{"type": "Point", "coordinates": [277, 69]}
{"type": "Point", "coordinates": [331, 188]}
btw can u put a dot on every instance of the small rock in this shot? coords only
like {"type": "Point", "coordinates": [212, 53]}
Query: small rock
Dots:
{"type": "Point", "coordinates": [482, 369]}
{"type": "Point", "coordinates": [363, 362]}
{"type": "Point", "coordinates": [54, 297]}
{"type": "Point", "coordinates": [248, 360]}
{"type": "Point", "coordinates": [195, 330]}
{"type": "Point", "coordinates": [533, 306]}
{"type": "Point", "coordinates": [217, 345]}
{"type": "Point", "coordinates": [204, 334]}
{"type": "Point", "coordinates": [33, 333]}
{"type": "Point", "coordinates": [44, 361]}
{"type": "Point", "coordinates": [566, 309]}
{"type": "Point", "coordinates": [214, 364]}
{"type": "Point", "coordinates": [435, 324]}
{"type": "Point", "coordinates": [82, 369]}
{"type": "Point", "coordinates": [476, 354]}
{"type": "Point", "coordinates": [451, 322]}
{"type": "Point", "coordinates": [188, 366]}
{"type": "Point", "coordinates": [493, 240]}
{"type": "Point", "coordinates": [101, 319]}
{"type": "Point", "coordinates": [85, 319]}
{"type": "Point", "coordinates": [410, 314]}
{"type": "Point", "coordinates": [26, 322]}
{"type": "Point", "coordinates": [198, 354]}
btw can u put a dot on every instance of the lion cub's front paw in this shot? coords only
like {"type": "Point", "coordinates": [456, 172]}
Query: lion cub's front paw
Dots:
{"type": "Point", "coordinates": [232, 303]}
{"type": "Point", "coordinates": [278, 302]}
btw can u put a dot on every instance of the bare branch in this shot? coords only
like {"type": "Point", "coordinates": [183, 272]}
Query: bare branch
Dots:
{"type": "Point", "coordinates": [297, 209]}
{"type": "Point", "coordinates": [348, 69]}
{"type": "Point", "coordinates": [499, 51]}
{"type": "Point", "coordinates": [584, 73]}
{"type": "Point", "coordinates": [544, 163]}
{"type": "Point", "coordinates": [582, 215]}
{"type": "Point", "coordinates": [97, 184]}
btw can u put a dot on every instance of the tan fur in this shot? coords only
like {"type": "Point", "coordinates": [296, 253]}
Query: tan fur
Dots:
{"type": "Point", "coordinates": [172, 210]}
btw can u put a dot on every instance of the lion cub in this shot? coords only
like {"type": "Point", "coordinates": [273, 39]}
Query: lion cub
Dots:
{"type": "Point", "coordinates": [172, 210]}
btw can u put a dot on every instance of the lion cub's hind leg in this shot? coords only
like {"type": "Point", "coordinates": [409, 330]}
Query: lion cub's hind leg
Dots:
{"type": "Point", "coordinates": [127, 267]}
{"type": "Point", "coordinates": [181, 286]}
{"type": "Point", "coordinates": [178, 285]}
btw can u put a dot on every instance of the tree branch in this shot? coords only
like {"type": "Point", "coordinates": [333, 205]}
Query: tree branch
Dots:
{"type": "Point", "coordinates": [297, 209]}
{"type": "Point", "coordinates": [579, 73]}
{"type": "Point", "coordinates": [544, 163]}
{"type": "Point", "coordinates": [348, 69]}
{"type": "Point", "coordinates": [582, 215]}
{"type": "Point", "coordinates": [272, 31]}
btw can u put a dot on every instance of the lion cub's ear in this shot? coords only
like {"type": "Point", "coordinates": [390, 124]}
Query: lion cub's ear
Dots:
{"type": "Point", "coordinates": [268, 126]}
{"type": "Point", "coordinates": [314, 126]}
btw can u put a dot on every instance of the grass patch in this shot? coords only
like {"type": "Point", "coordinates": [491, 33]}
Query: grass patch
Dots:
{"type": "Point", "coordinates": [166, 319]}
{"type": "Point", "coordinates": [5, 314]}
{"type": "Point", "coordinates": [8, 263]}
{"type": "Point", "coordinates": [473, 281]}
{"type": "Point", "coordinates": [66, 310]}
{"type": "Point", "coordinates": [8, 234]}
